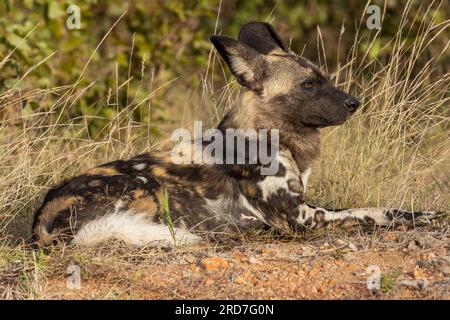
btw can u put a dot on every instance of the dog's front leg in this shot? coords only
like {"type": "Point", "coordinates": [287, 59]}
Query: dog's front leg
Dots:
{"type": "Point", "coordinates": [314, 217]}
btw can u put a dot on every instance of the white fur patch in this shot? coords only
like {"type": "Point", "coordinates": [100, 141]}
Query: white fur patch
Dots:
{"type": "Point", "coordinates": [245, 217]}
{"type": "Point", "coordinates": [241, 67]}
{"type": "Point", "coordinates": [271, 184]}
{"type": "Point", "coordinates": [132, 228]}
{"type": "Point", "coordinates": [143, 179]}
{"type": "Point", "coordinates": [139, 166]}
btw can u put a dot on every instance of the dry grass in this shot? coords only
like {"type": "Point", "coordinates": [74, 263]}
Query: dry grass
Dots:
{"type": "Point", "coordinates": [394, 152]}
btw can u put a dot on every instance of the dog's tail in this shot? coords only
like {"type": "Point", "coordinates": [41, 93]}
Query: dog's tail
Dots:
{"type": "Point", "coordinates": [44, 219]}
{"type": "Point", "coordinates": [42, 227]}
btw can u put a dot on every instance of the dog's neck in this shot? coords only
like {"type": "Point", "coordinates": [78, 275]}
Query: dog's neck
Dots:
{"type": "Point", "coordinates": [254, 112]}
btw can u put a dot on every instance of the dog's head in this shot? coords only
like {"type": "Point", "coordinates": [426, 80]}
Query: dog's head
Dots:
{"type": "Point", "coordinates": [296, 89]}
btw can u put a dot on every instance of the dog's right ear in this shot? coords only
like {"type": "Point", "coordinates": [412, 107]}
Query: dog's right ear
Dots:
{"type": "Point", "coordinates": [262, 37]}
{"type": "Point", "coordinates": [245, 63]}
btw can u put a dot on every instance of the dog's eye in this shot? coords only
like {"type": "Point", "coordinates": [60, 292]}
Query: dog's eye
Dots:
{"type": "Point", "coordinates": [308, 84]}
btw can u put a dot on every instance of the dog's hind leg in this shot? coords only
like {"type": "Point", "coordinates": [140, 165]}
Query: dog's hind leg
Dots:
{"type": "Point", "coordinates": [314, 217]}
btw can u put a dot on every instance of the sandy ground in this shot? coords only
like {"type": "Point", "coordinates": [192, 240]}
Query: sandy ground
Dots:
{"type": "Point", "coordinates": [400, 264]}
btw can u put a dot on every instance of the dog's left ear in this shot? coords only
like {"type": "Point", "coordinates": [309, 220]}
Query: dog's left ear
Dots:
{"type": "Point", "coordinates": [262, 37]}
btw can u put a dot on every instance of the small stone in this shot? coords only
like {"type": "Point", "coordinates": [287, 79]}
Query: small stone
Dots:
{"type": "Point", "coordinates": [418, 284]}
{"type": "Point", "coordinates": [217, 263]}
{"type": "Point", "coordinates": [340, 242]}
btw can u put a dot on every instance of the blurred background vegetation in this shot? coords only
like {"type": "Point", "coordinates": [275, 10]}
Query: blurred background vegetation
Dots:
{"type": "Point", "coordinates": [157, 41]}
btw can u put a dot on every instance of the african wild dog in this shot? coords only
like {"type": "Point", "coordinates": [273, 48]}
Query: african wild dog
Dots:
{"type": "Point", "coordinates": [124, 199]}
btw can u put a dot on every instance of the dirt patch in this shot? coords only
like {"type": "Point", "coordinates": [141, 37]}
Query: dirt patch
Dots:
{"type": "Point", "coordinates": [400, 265]}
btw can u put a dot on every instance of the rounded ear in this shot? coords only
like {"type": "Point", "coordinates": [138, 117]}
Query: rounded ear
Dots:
{"type": "Point", "coordinates": [262, 37]}
{"type": "Point", "coordinates": [245, 63]}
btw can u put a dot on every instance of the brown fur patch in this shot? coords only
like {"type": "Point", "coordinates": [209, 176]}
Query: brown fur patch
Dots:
{"type": "Point", "coordinates": [94, 183]}
{"type": "Point", "coordinates": [249, 189]}
{"type": "Point", "coordinates": [294, 185]}
{"type": "Point", "coordinates": [99, 197]}
{"type": "Point", "coordinates": [105, 171]}
{"type": "Point", "coordinates": [177, 206]}
{"type": "Point", "coordinates": [319, 218]}
{"type": "Point", "coordinates": [286, 72]}
{"type": "Point", "coordinates": [200, 189]}
{"type": "Point", "coordinates": [245, 116]}
{"type": "Point", "coordinates": [49, 212]}
{"type": "Point", "coordinates": [159, 172]}
{"type": "Point", "coordinates": [143, 204]}
{"type": "Point", "coordinates": [52, 208]}
{"type": "Point", "coordinates": [138, 193]}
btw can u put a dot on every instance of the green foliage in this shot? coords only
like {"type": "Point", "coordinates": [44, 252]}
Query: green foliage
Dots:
{"type": "Point", "coordinates": [167, 217]}
{"type": "Point", "coordinates": [389, 280]}
{"type": "Point", "coordinates": [168, 38]}
{"type": "Point", "coordinates": [160, 40]}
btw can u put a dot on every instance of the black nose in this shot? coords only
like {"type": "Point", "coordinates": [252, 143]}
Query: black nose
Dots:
{"type": "Point", "coordinates": [351, 104]}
